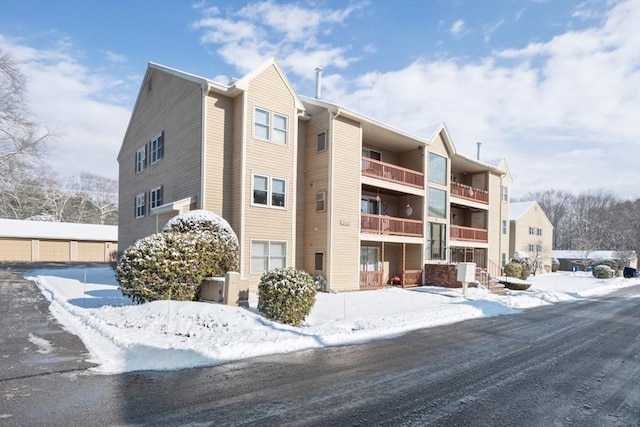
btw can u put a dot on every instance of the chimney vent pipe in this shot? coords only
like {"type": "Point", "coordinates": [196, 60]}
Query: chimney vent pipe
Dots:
{"type": "Point", "coordinates": [478, 152]}
{"type": "Point", "coordinates": [318, 82]}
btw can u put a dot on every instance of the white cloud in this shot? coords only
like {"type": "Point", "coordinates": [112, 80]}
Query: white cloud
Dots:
{"type": "Point", "coordinates": [83, 107]}
{"type": "Point", "coordinates": [565, 112]}
{"type": "Point", "coordinates": [287, 31]}
{"type": "Point", "coordinates": [457, 27]}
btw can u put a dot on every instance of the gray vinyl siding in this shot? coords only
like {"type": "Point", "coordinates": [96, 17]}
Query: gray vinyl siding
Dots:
{"type": "Point", "coordinates": [171, 105]}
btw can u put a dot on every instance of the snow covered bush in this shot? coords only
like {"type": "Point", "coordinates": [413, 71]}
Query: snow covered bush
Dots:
{"type": "Point", "coordinates": [513, 269]}
{"type": "Point", "coordinates": [217, 241]}
{"type": "Point", "coordinates": [161, 266]}
{"type": "Point", "coordinates": [603, 272]}
{"type": "Point", "coordinates": [555, 265]}
{"type": "Point", "coordinates": [286, 295]}
{"type": "Point", "coordinates": [172, 264]}
{"type": "Point", "coordinates": [319, 281]}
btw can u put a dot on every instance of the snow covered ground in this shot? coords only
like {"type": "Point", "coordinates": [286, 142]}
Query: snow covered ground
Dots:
{"type": "Point", "coordinates": [166, 335]}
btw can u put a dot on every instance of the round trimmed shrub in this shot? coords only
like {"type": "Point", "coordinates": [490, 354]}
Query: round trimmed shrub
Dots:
{"type": "Point", "coordinates": [555, 265]}
{"type": "Point", "coordinates": [217, 242]}
{"type": "Point", "coordinates": [286, 295]}
{"type": "Point", "coordinates": [603, 272]}
{"type": "Point", "coordinates": [513, 269]}
{"type": "Point", "coordinates": [162, 266]}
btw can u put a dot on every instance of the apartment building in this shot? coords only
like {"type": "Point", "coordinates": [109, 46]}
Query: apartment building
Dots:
{"type": "Point", "coordinates": [306, 183]}
{"type": "Point", "coordinates": [531, 234]}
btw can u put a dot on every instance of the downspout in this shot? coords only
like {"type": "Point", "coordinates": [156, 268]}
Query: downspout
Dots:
{"type": "Point", "coordinates": [243, 182]}
{"type": "Point", "coordinates": [203, 154]}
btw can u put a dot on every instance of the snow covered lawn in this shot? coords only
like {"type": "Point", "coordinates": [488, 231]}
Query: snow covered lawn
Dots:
{"type": "Point", "coordinates": [165, 335]}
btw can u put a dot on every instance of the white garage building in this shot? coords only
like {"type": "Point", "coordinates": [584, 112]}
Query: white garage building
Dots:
{"type": "Point", "coordinates": [40, 241]}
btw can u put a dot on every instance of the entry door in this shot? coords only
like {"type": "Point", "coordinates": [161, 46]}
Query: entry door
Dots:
{"type": "Point", "coordinates": [369, 257]}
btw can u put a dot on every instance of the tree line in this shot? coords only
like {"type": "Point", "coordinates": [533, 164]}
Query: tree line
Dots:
{"type": "Point", "coordinates": [28, 189]}
{"type": "Point", "coordinates": [589, 221]}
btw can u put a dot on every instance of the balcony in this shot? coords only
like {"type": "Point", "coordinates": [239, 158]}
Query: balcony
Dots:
{"type": "Point", "coordinates": [382, 224]}
{"type": "Point", "coordinates": [469, 234]}
{"type": "Point", "coordinates": [469, 193]}
{"type": "Point", "coordinates": [392, 173]}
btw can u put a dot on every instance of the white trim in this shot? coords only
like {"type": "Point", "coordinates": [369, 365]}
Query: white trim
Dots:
{"type": "Point", "coordinates": [143, 206]}
{"type": "Point", "coordinates": [155, 138]}
{"type": "Point", "coordinates": [178, 205]}
{"type": "Point", "coordinates": [243, 182]}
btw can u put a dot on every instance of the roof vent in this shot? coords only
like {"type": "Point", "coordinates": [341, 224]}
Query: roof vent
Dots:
{"type": "Point", "coordinates": [318, 82]}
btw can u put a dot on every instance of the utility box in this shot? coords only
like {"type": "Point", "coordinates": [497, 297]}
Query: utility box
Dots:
{"type": "Point", "coordinates": [467, 272]}
{"type": "Point", "coordinates": [212, 289]}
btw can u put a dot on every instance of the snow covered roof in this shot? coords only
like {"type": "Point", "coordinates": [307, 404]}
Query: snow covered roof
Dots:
{"type": "Point", "coordinates": [57, 230]}
{"type": "Point", "coordinates": [518, 208]}
{"type": "Point", "coordinates": [601, 255]}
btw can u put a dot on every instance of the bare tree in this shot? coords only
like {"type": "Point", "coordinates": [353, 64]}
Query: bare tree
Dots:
{"type": "Point", "coordinates": [22, 141]}
{"type": "Point", "coordinates": [557, 205]}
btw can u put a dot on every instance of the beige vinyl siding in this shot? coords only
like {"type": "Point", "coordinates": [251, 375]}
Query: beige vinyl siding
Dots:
{"type": "Point", "coordinates": [91, 252]}
{"type": "Point", "coordinates": [316, 179]}
{"type": "Point", "coordinates": [172, 105]}
{"type": "Point", "coordinates": [236, 162]}
{"type": "Point", "coordinates": [498, 211]}
{"type": "Point", "coordinates": [267, 90]}
{"type": "Point", "coordinates": [218, 163]}
{"type": "Point", "coordinates": [18, 250]}
{"type": "Point", "coordinates": [55, 251]}
{"type": "Point", "coordinates": [344, 201]}
{"type": "Point", "coordinates": [520, 237]}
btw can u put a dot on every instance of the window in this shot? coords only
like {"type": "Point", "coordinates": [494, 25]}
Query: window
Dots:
{"type": "Point", "coordinates": [504, 227]}
{"type": "Point", "coordinates": [141, 159]}
{"type": "Point", "coordinates": [261, 124]}
{"type": "Point", "coordinates": [437, 203]}
{"type": "Point", "coordinates": [157, 148]}
{"type": "Point", "coordinates": [319, 261]}
{"type": "Point", "coordinates": [372, 154]}
{"type": "Point", "coordinates": [155, 198]}
{"type": "Point", "coordinates": [140, 205]}
{"type": "Point", "coordinates": [532, 231]}
{"type": "Point", "coordinates": [505, 193]}
{"type": "Point", "coordinates": [279, 129]}
{"type": "Point", "coordinates": [321, 142]}
{"type": "Point", "coordinates": [370, 205]}
{"type": "Point", "coordinates": [437, 169]}
{"type": "Point", "coordinates": [503, 259]}
{"type": "Point", "coordinates": [270, 126]}
{"type": "Point", "coordinates": [538, 248]}
{"type": "Point", "coordinates": [267, 255]}
{"type": "Point", "coordinates": [538, 231]}
{"type": "Point", "coordinates": [269, 191]}
{"type": "Point", "coordinates": [531, 247]}
{"type": "Point", "coordinates": [320, 201]}
{"type": "Point", "coordinates": [437, 241]}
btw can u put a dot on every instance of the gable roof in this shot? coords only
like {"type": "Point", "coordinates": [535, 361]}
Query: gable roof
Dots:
{"type": "Point", "coordinates": [517, 209]}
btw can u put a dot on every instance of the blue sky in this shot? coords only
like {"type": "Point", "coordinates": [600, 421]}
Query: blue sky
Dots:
{"type": "Point", "coordinates": [552, 86]}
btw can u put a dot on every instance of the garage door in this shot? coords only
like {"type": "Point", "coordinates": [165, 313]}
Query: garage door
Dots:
{"type": "Point", "coordinates": [54, 251]}
{"type": "Point", "coordinates": [15, 250]}
{"type": "Point", "coordinates": [90, 251]}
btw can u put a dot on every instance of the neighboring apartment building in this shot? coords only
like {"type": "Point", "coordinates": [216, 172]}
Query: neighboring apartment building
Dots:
{"type": "Point", "coordinates": [531, 233]}
{"type": "Point", "coordinates": [305, 183]}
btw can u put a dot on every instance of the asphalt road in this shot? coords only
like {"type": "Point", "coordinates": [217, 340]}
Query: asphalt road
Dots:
{"type": "Point", "coordinates": [570, 364]}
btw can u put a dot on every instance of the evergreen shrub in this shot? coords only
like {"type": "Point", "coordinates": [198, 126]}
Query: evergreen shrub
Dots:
{"type": "Point", "coordinates": [161, 266]}
{"type": "Point", "coordinates": [603, 272]}
{"type": "Point", "coordinates": [513, 269]}
{"type": "Point", "coordinates": [173, 264]}
{"type": "Point", "coordinates": [286, 295]}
